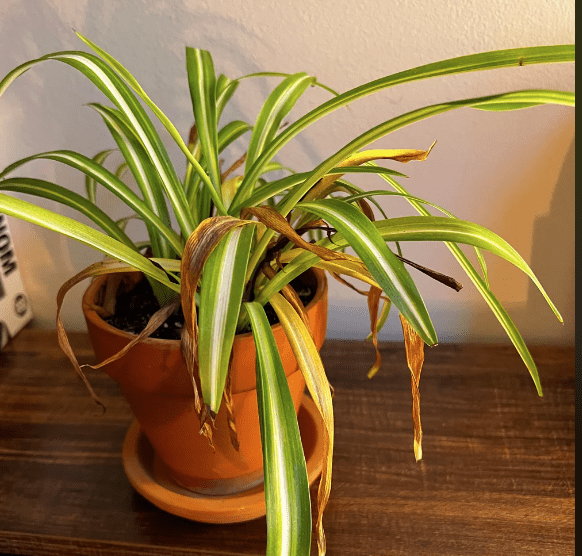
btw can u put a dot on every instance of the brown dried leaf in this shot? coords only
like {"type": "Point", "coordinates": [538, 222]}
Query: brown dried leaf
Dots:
{"type": "Point", "coordinates": [374, 296]}
{"type": "Point", "coordinates": [272, 219]}
{"type": "Point", "coordinates": [156, 320]}
{"type": "Point", "coordinates": [366, 209]}
{"type": "Point", "coordinates": [192, 137]}
{"type": "Point", "coordinates": [188, 349]}
{"type": "Point", "coordinates": [439, 277]}
{"type": "Point", "coordinates": [414, 358]}
{"type": "Point", "coordinates": [200, 244]}
{"type": "Point", "coordinates": [96, 269]}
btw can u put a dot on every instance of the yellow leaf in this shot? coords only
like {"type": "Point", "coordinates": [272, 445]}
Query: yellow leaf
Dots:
{"type": "Point", "coordinates": [322, 188]}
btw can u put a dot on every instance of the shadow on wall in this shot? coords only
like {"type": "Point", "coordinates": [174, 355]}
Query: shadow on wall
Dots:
{"type": "Point", "coordinates": [553, 248]}
{"type": "Point", "coordinates": [552, 260]}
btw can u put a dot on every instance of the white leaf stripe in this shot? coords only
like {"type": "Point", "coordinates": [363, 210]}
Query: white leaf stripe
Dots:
{"type": "Point", "coordinates": [311, 366]}
{"type": "Point", "coordinates": [483, 288]}
{"type": "Point", "coordinates": [202, 84]}
{"type": "Point", "coordinates": [389, 126]}
{"type": "Point", "coordinates": [286, 485]}
{"type": "Point", "coordinates": [114, 88]}
{"type": "Point", "coordinates": [220, 313]}
{"type": "Point", "coordinates": [129, 146]}
{"type": "Point", "coordinates": [183, 210]}
{"type": "Point", "coordinates": [136, 159]}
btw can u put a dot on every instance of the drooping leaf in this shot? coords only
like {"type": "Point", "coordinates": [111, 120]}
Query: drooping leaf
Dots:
{"type": "Point", "coordinates": [472, 62]}
{"type": "Point", "coordinates": [414, 359]}
{"type": "Point", "coordinates": [309, 362]}
{"type": "Point", "coordinates": [373, 305]}
{"type": "Point", "coordinates": [286, 484]}
{"type": "Point", "coordinates": [198, 248]}
{"type": "Point", "coordinates": [321, 189]}
{"type": "Point", "coordinates": [382, 318]}
{"type": "Point", "coordinates": [109, 267]}
{"type": "Point", "coordinates": [274, 221]}
{"type": "Point", "coordinates": [83, 233]}
{"type": "Point", "coordinates": [387, 270]}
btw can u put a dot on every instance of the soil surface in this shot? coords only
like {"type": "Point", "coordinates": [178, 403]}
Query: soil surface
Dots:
{"type": "Point", "coordinates": [134, 309]}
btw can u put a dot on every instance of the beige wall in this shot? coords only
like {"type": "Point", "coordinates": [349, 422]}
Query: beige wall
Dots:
{"type": "Point", "coordinates": [512, 172]}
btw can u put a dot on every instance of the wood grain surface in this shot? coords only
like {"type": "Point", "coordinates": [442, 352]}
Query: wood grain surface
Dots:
{"type": "Point", "coordinates": [497, 475]}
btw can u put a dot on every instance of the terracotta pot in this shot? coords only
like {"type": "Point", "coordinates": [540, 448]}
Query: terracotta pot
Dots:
{"type": "Point", "coordinates": [153, 378]}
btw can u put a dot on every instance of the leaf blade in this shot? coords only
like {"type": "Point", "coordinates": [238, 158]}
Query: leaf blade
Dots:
{"type": "Point", "coordinates": [286, 484]}
{"type": "Point", "coordinates": [384, 266]}
{"type": "Point", "coordinates": [223, 282]}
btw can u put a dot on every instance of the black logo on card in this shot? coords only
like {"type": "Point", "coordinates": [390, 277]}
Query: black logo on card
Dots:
{"type": "Point", "coordinates": [7, 258]}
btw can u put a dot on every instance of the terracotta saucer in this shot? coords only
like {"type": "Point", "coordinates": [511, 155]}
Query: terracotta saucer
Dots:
{"type": "Point", "coordinates": [139, 464]}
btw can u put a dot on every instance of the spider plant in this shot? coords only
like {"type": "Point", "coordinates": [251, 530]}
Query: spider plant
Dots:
{"type": "Point", "coordinates": [240, 237]}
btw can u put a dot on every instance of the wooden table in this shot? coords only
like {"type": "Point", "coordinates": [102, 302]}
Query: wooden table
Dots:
{"type": "Point", "coordinates": [497, 476]}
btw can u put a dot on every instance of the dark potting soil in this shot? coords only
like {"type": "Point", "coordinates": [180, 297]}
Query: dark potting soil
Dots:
{"type": "Point", "coordinates": [134, 309]}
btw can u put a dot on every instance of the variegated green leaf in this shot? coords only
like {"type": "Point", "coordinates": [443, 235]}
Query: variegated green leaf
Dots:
{"type": "Point", "coordinates": [226, 136]}
{"type": "Point", "coordinates": [291, 199]}
{"type": "Point", "coordinates": [225, 88]}
{"type": "Point", "coordinates": [270, 189]}
{"type": "Point", "coordinates": [143, 171]}
{"type": "Point", "coordinates": [54, 192]}
{"type": "Point", "coordinates": [311, 366]}
{"type": "Point", "coordinates": [175, 195]}
{"type": "Point", "coordinates": [463, 64]}
{"type": "Point", "coordinates": [108, 180]}
{"type": "Point", "coordinates": [117, 91]}
{"type": "Point", "coordinates": [83, 233]}
{"type": "Point", "coordinates": [482, 285]}
{"type": "Point", "coordinates": [280, 74]}
{"type": "Point", "coordinates": [286, 484]}
{"type": "Point", "coordinates": [383, 129]}
{"type": "Point", "coordinates": [202, 82]}
{"type": "Point", "coordinates": [387, 270]}
{"type": "Point", "coordinates": [275, 108]}
{"type": "Point", "coordinates": [222, 286]}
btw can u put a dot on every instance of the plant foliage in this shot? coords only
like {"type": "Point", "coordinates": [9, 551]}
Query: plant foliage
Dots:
{"type": "Point", "coordinates": [243, 236]}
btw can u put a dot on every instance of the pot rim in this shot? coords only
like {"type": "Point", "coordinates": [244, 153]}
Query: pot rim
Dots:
{"type": "Point", "coordinates": [93, 316]}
